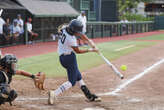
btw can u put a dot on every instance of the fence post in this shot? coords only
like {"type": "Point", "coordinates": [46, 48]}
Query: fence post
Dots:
{"type": "Point", "coordinates": [102, 30]}
{"type": "Point", "coordinates": [42, 30]}
{"type": "Point", "coordinates": [111, 30]}
{"type": "Point", "coordinates": [132, 28]}
{"type": "Point", "coordinates": [92, 35]}
{"type": "Point", "coordinates": [136, 27]}
{"type": "Point", "coordinates": [120, 29]}
{"type": "Point", "coordinates": [127, 28]}
{"type": "Point", "coordinates": [26, 34]}
{"type": "Point", "coordinates": [141, 27]}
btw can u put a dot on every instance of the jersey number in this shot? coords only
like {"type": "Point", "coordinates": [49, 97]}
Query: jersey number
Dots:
{"type": "Point", "coordinates": [63, 38]}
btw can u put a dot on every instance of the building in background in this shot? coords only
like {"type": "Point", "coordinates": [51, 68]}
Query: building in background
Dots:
{"type": "Point", "coordinates": [140, 9]}
{"type": "Point", "coordinates": [96, 10]}
{"type": "Point", "coordinates": [154, 8]}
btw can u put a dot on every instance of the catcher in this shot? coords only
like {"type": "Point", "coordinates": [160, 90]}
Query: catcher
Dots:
{"type": "Point", "coordinates": [8, 65]}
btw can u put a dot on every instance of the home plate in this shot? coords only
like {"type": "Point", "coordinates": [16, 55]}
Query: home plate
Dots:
{"type": "Point", "coordinates": [96, 108]}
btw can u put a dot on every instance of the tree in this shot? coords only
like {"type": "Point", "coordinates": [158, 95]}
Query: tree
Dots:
{"type": "Point", "coordinates": [126, 6]}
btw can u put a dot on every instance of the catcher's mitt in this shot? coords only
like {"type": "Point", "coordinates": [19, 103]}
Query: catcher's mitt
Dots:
{"type": "Point", "coordinates": [39, 80]}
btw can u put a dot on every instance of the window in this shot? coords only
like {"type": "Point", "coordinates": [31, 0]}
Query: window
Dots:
{"type": "Point", "coordinates": [151, 7]}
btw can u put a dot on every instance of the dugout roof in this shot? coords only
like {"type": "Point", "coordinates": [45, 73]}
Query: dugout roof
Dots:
{"type": "Point", "coordinates": [9, 4]}
{"type": "Point", "coordinates": [41, 8]}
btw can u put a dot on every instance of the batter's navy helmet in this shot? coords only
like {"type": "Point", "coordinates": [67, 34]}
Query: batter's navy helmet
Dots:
{"type": "Point", "coordinates": [76, 26]}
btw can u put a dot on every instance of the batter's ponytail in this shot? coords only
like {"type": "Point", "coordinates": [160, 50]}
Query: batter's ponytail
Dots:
{"type": "Point", "coordinates": [62, 26]}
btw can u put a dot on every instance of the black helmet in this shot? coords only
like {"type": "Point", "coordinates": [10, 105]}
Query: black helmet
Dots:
{"type": "Point", "coordinates": [75, 26]}
{"type": "Point", "coordinates": [9, 61]}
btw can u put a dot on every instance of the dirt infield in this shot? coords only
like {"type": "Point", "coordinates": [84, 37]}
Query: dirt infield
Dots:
{"type": "Point", "coordinates": [144, 93]}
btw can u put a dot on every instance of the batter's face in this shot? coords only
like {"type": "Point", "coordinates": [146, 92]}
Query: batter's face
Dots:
{"type": "Point", "coordinates": [77, 34]}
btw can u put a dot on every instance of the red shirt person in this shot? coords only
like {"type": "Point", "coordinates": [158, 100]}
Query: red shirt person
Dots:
{"type": "Point", "coordinates": [32, 35]}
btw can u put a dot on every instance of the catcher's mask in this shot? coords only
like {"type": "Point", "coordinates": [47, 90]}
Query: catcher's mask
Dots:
{"type": "Point", "coordinates": [9, 62]}
{"type": "Point", "coordinates": [75, 26]}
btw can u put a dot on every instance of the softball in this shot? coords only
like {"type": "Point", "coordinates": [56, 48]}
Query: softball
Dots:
{"type": "Point", "coordinates": [123, 67]}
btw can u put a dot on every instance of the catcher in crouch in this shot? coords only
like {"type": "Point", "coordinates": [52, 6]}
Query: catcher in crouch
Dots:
{"type": "Point", "coordinates": [7, 70]}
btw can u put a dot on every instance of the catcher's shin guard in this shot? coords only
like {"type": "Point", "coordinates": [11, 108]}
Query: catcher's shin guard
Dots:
{"type": "Point", "coordinates": [12, 96]}
{"type": "Point", "coordinates": [7, 95]}
{"type": "Point", "coordinates": [4, 93]}
{"type": "Point", "coordinates": [89, 95]}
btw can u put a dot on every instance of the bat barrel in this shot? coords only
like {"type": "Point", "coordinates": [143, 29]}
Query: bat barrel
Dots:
{"type": "Point", "coordinates": [112, 66]}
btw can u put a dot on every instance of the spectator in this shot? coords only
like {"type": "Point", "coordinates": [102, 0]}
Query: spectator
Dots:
{"type": "Point", "coordinates": [2, 22]}
{"type": "Point", "coordinates": [83, 19]}
{"type": "Point", "coordinates": [15, 31]}
{"type": "Point", "coordinates": [20, 23]}
{"type": "Point", "coordinates": [7, 30]}
{"type": "Point", "coordinates": [32, 35]}
{"type": "Point", "coordinates": [124, 25]}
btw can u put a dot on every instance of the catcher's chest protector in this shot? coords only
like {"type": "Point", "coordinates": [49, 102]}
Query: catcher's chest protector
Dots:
{"type": "Point", "coordinates": [4, 78]}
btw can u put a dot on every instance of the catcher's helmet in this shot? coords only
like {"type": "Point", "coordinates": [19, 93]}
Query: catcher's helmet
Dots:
{"type": "Point", "coordinates": [75, 26]}
{"type": "Point", "coordinates": [9, 62]}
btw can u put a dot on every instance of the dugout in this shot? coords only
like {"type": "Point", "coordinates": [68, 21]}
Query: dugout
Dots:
{"type": "Point", "coordinates": [47, 16]}
{"type": "Point", "coordinates": [10, 10]}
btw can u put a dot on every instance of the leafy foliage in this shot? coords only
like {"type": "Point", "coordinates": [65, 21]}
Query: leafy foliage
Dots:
{"type": "Point", "coordinates": [126, 7]}
{"type": "Point", "coordinates": [136, 17]}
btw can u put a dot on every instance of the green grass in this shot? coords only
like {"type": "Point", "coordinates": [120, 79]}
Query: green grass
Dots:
{"type": "Point", "coordinates": [49, 63]}
{"type": "Point", "coordinates": [153, 37]}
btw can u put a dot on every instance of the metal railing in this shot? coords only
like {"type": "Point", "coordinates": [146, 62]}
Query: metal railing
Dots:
{"type": "Point", "coordinates": [109, 29]}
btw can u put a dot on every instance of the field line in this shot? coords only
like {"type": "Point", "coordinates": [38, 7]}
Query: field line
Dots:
{"type": "Point", "coordinates": [123, 48]}
{"type": "Point", "coordinates": [122, 86]}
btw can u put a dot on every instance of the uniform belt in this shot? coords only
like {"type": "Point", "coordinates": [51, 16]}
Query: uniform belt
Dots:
{"type": "Point", "coordinates": [69, 53]}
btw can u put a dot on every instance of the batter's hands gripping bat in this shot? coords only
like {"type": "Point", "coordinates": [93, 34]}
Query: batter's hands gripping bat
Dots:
{"type": "Point", "coordinates": [111, 65]}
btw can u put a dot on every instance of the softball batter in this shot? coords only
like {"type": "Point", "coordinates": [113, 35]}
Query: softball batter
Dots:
{"type": "Point", "coordinates": [67, 47]}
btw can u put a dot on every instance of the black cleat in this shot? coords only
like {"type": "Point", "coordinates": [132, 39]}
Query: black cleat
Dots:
{"type": "Point", "coordinates": [95, 98]}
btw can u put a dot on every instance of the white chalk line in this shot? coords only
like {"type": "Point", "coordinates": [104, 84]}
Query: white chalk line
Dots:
{"type": "Point", "coordinates": [123, 48]}
{"type": "Point", "coordinates": [114, 92]}
{"type": "Point", "coordinates": [122, 86]}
